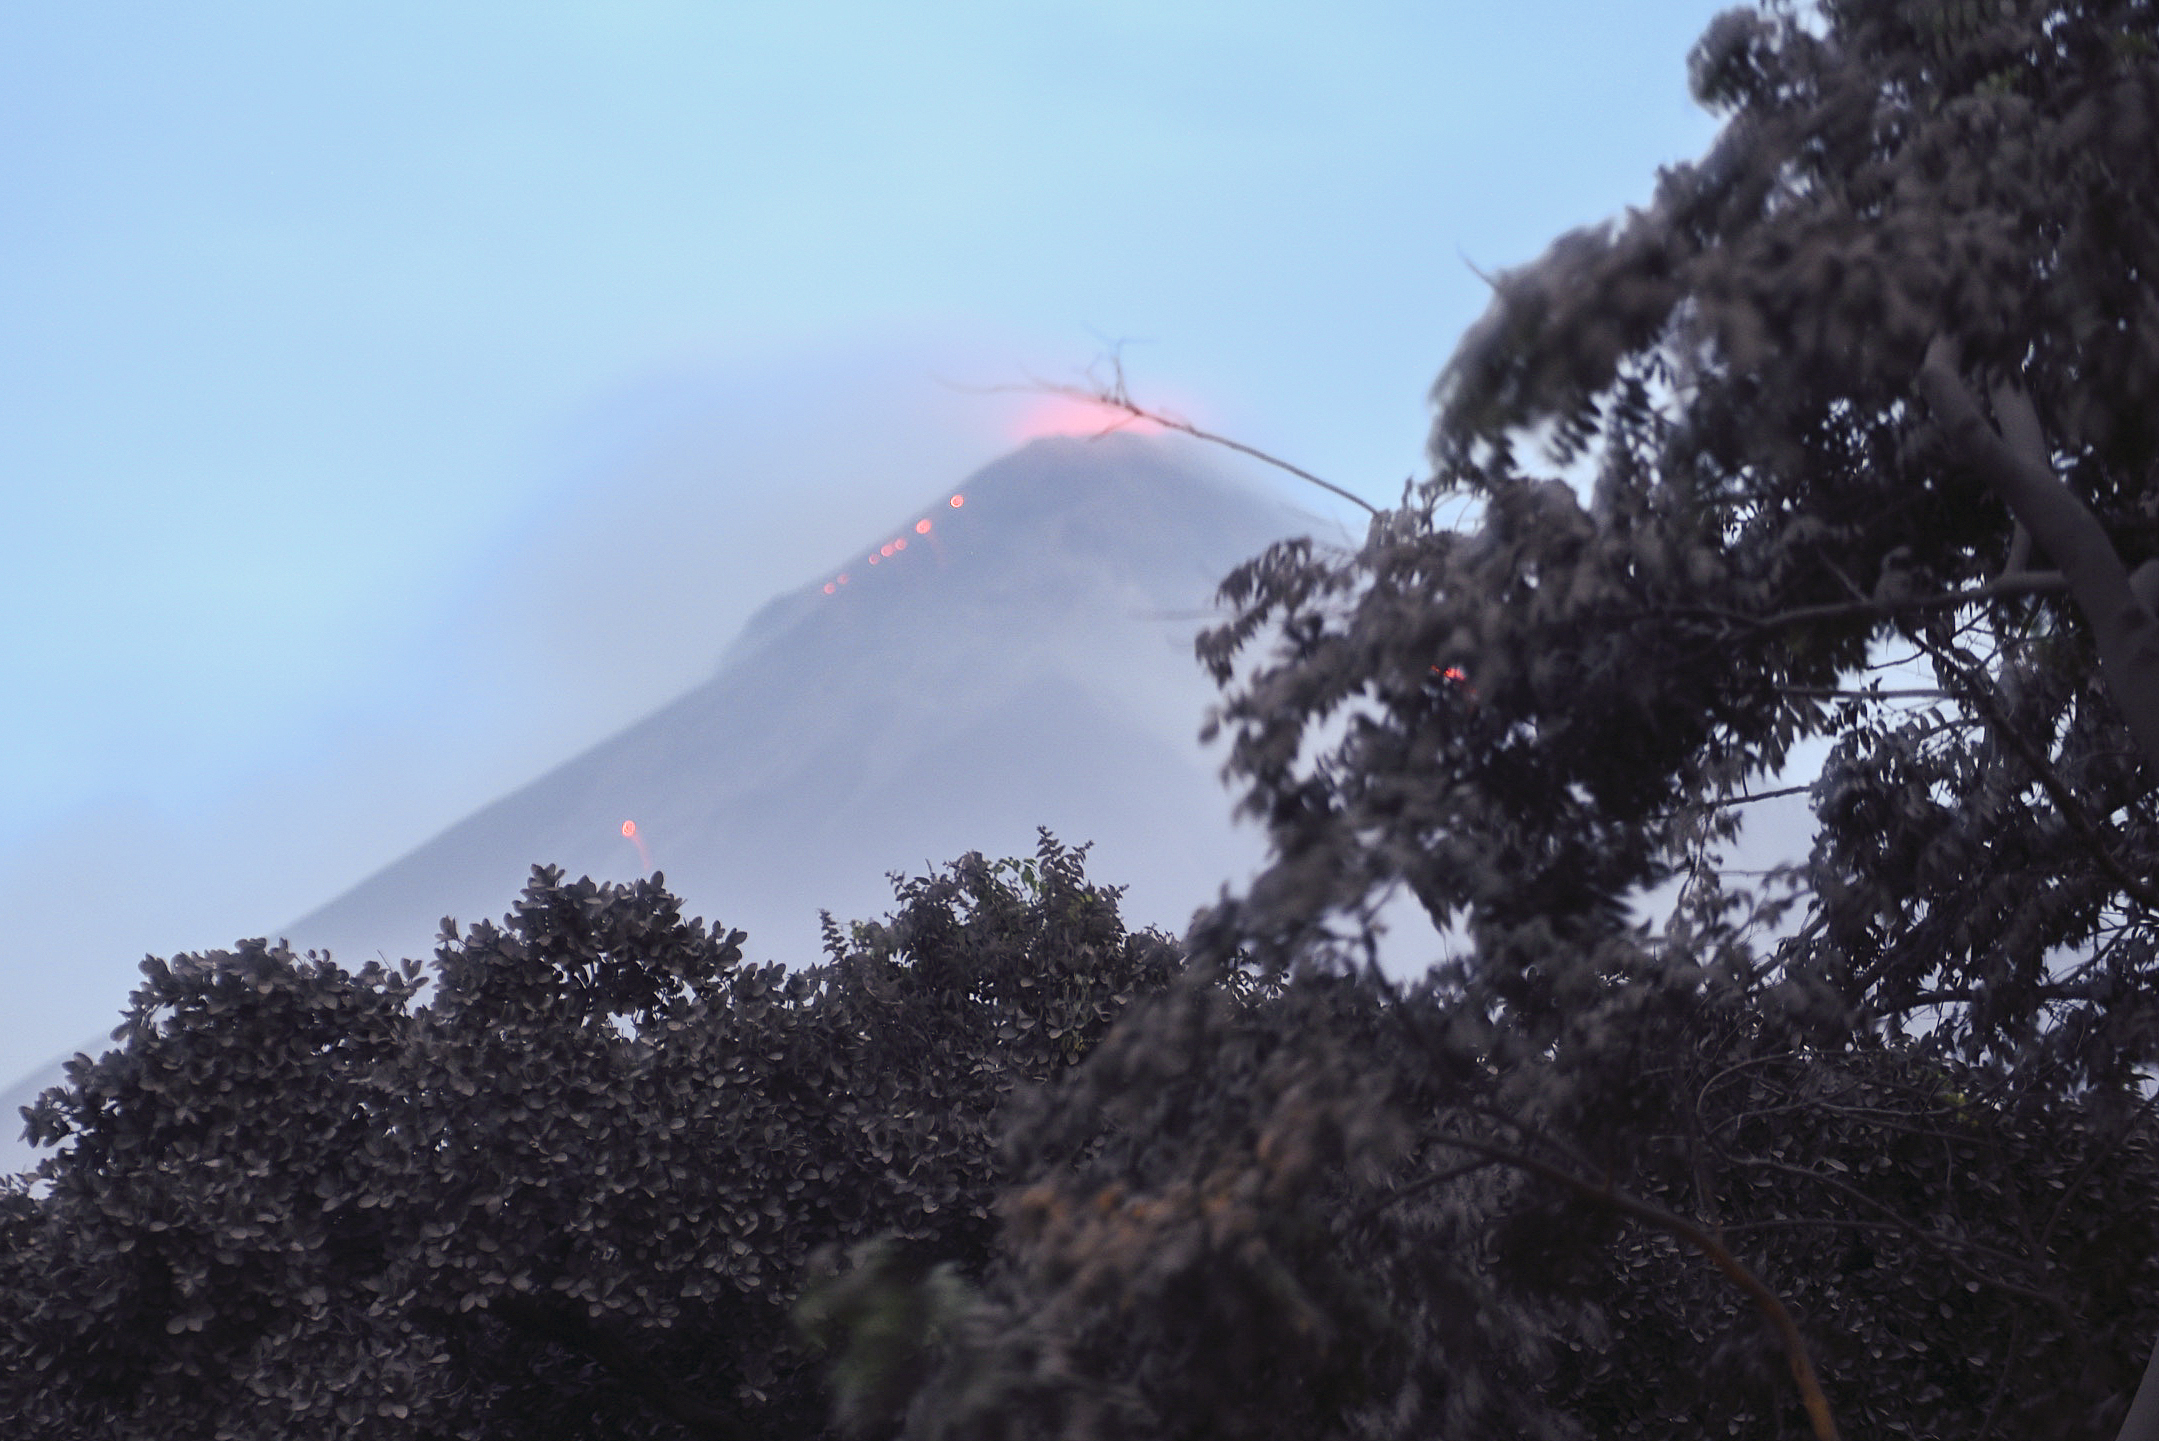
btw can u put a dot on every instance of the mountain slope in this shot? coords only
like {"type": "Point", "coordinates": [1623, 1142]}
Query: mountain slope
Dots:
{"type": "Point", "coordinates": [1025, 660]}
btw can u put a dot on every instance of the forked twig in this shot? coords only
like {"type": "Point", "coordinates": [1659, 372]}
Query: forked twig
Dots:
{"type": "Point", "coordinates": [1115, 395]}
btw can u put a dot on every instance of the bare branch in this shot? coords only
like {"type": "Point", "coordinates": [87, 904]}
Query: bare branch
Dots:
{"type": "Point", "coordinates": [1725, 802]}
{"type": "Point", "coordinates": [1830, 692]}
{"type": "Point", "coordinates": [2031, 582]}
{"type": "Point", "coordinates": [1113, 394]}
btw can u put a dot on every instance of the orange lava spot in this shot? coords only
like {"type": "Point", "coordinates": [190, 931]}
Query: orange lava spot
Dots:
{"type": "Point", "coordinates": [900, 544]}
{"type": "Point", "coordinates": [875, 558]}
{"type": "Point", "coordinates": [885, 549]}
{"type": "Point", "coordinates": [843, 577]}
{"type": "Point", "coordinates": [830, 587]}
{"type": "Point", "coordinates": [644, 854]}
{"type": "Point", "coordinates": [922, 527]}
{"type": "Point", "coordinates": [958, 501]}
{"type": "Point", "coordinates": [1460, 677]}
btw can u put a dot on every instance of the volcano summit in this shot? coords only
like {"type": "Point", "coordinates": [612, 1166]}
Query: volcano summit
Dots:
{"type": "Point", "coordinates": [1016, 653]}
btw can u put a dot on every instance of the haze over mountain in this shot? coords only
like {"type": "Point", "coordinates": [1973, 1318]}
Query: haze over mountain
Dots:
{"type": "Point", "coordinates": [1021, 658]}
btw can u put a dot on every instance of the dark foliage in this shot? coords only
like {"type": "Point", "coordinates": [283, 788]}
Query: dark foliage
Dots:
{"type": "Point", "coordinates": [567, 1183]}
{"type": "Point", "coordinates": [1851, 454]}
{"type": "Point", "coordinates": [1859, 419]}
{"type": "Point", "coordinates": [1281, 1211]}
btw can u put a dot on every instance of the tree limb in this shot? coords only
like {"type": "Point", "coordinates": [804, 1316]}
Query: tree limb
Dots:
{"type": "Point", "coordinates": [2020, 552]}
{"type": "Point", "coordinates": [1765, 1300]}
{"type": "Point", "coordinates": [2014, 464]}
{"type": "Point", "coordinates": [1419, 1186]}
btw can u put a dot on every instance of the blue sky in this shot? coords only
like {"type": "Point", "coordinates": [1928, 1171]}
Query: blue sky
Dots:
{"type": "Point", "coordinates": [396, 398]}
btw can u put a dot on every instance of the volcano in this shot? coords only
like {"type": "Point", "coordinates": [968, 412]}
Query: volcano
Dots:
{"type": "Point", "coordinates": [1015, 653]}
{"type": "Point", "coordinates": [1025, 660]}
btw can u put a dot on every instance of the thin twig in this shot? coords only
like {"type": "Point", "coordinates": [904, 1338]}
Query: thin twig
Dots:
{"type": "Point", "coordinates": [1419, 1186]}
{"type": "Point", "coordinates": [1830, 692]}
{"type": "Point", "coordinates": [1114, 395]}
{"type": "Point", "coordinates": [2043, 582]}
{"type": "Point", "coordinates": [1721, 804]}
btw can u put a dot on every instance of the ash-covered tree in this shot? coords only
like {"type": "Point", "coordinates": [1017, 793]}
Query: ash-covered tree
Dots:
{"type": "Point", "coordinates": [563, 1183]}
{"type": "Point", "coordinates": [1304, 1212]}
{"type": "Point", "coordinates": [1846, 445]}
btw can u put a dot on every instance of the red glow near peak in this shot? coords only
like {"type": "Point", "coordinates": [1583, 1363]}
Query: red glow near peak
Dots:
{"type": "Point", "coordinates": [900, 544]}
{"type": "Point", "coordinates": [1076, 415]}
{"type": "Point", "coordinates": [830, 586]}
{"type": "Point", "coordinates": [885, 549]}
{"type": "Point", "coordinates": [958, 501]}
{"type": "Point", "coordinates": [629, 828]}
{"type": "Point", "coordinates": [922, 527]}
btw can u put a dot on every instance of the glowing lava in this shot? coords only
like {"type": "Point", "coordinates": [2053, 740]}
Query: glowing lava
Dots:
{"type": "Point", "coordinates": [1460, 677]}
{"type": "Point", "coordinates": [644, 857]}
{"type": "Point", "coordinates": [1059, 414]}
{"type": "Point", "coordinates": [894, 546]}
